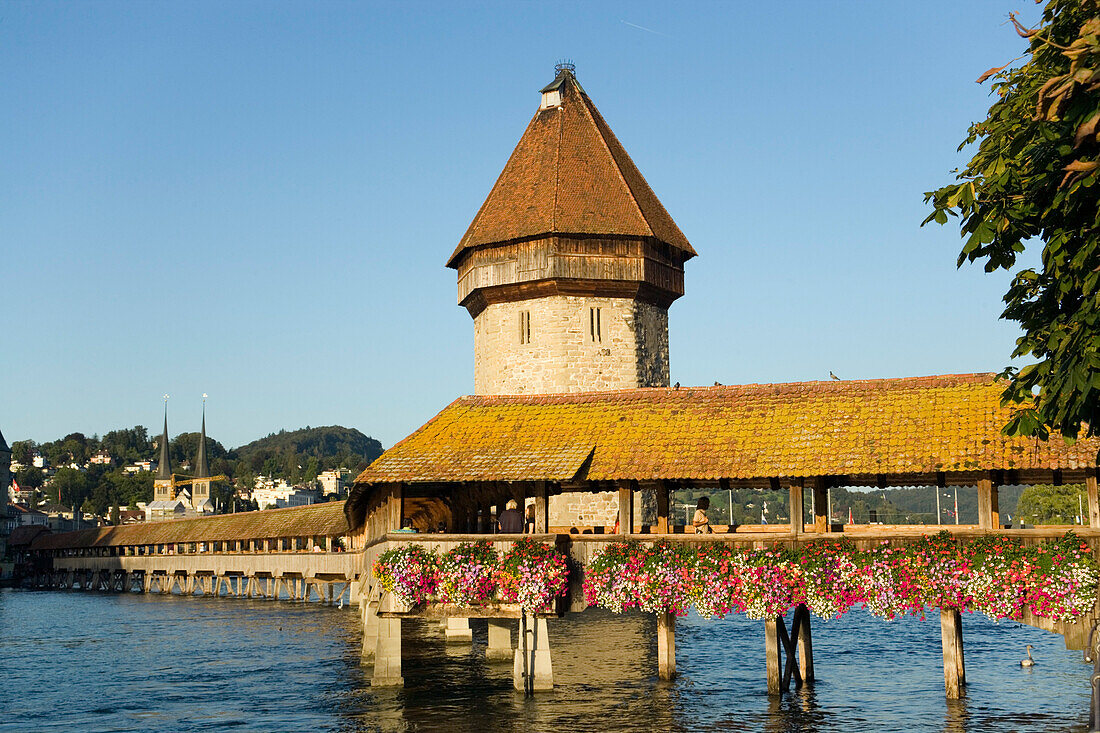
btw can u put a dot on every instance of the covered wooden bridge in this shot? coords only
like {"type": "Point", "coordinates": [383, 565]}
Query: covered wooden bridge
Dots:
{"type": "Point", "coordinates": [296, 553]}
{"type": "Point", "coordinates": [479, 452]}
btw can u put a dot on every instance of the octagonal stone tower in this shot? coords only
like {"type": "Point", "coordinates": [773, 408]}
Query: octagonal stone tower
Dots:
{"type": "Point", "coordinates": [571, 263]}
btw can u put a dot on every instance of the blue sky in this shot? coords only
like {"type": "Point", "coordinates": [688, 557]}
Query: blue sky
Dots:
{"type": "Point", "coordinates": [256, 200]}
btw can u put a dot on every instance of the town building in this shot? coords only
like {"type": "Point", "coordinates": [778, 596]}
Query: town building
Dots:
{"type": "Point", "coordinates": [334, 482]}
{"type": "Point", "coordinates": [272, 493]}
{"type": "Point", "coordinates": [101, 458]}
{"type": "Point", "coordinates": [28, 516]}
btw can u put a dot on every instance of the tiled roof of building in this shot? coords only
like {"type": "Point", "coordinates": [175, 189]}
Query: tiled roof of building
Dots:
{"type": "Point", "coordinates": [24, 536]}
{"type": "Point", "coordinates": [569, 174]}
{"type": "Point", "coordinates": [305, 521]}
{"type": "Point", "coordinates": [883, 426]}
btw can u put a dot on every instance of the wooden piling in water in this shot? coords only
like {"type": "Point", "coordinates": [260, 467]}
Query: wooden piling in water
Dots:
{"type": "Point", "coordinates": [805, 646]}
{"type": "Point", "coordinates": [772, 653]}
{"type": "Point", "coordinates": [666, 646]}
{"type": "Point", "coordinates": [954, 667]}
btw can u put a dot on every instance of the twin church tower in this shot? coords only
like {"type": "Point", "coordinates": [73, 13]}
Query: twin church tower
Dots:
{"type": "Point", "coordinates": [570, 265]}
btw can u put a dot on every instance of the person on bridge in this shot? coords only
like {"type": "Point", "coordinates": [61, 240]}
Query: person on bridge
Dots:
{"type": "Point", "coordinates": [700, 521]}
{"type": "Point", "coordinates": [510, 520]}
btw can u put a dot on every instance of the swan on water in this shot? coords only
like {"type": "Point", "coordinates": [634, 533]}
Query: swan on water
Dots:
{"type": "Point", "coordinates": [1029, 662]}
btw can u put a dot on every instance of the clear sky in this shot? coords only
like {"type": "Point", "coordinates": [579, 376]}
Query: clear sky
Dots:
{"type": "Point", "coordinates": [256, 200]}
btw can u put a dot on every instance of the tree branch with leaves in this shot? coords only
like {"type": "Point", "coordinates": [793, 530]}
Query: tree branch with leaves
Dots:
{"type": "Point", "coordinates": [1033, 182]}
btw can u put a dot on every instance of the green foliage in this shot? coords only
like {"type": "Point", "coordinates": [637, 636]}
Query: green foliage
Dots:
{"type": "Point", "coordinates": [128, 445]}
{"type": "Point", "coordinates": [185, 446]}
{"type": "Point", "coordinates": [1033, 177]}
{"type": "Point", "coordinates": [22, 451]}
{"type": "Point", "coordinates": [1051, 504]}
{"type": "Point", "coordinates": [287, 454]}
{"type": "Point", "coordinates": [69, 487]}
{"type": "Point", "coordinates": [296, 456]}
{"type": "Point", "coordinates": [29, 477]}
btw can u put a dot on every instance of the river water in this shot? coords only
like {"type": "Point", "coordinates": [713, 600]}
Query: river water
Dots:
{"type": "Point", "coordinates": [74, 661]}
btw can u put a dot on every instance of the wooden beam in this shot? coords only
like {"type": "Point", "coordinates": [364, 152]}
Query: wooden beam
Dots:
{"type": "Point", "coordinates": [1094, 501]}
{"type": "Point", "coordinates": [988, 514]}
{"type": "Point", "coordinates": [542, 508]}
{"type": "Point", "coordinates": [439, 611]}
{"type": "Point", "coordinates": [626, 507]}
{"type": "Point", "coordinates": [795, 505]}
{"type": "Point", "coordinates": [662, 490]}
{"type": "Point", "coordinates": [821, 504]}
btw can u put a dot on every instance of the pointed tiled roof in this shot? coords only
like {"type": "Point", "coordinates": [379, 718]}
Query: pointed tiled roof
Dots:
{"type": "Point", "coordinates": [202, 468]}
{"type": "Point", "coordinates": [164, 464]}
{"type": "Point", "coordinates": [569, 174]}
{"type": "Point", "coordinates": [878, 426]}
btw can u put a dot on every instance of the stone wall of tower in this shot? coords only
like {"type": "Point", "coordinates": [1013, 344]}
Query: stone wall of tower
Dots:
{"type": "Point", "coordinates": [200, 492]}
{"type": "Point", "coordinates": [630, 349]}
{"type": "Point", "coordinates": [162, 490]}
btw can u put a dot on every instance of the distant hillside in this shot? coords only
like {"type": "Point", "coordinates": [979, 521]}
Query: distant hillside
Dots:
{"type": "Point", "coordinates": [325, 447]}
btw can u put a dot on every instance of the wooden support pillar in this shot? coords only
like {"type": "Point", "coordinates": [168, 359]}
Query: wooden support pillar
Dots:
{"type": "Point", "coordinates": [666, 646]}
{"type": "Point", "coordinates": [805, 646]}
{"type": "Point", "coordinates": [773, 653]}
{"type": "Point", "coordinates": [626, 507]}
{"type": "Point", "coordinates": [662, 507]}
{"type": "Point", "coordinates": [954, 668]}
{"type": "Point", "coordinates": [822, 523]}
{"type": "Point", "coordinates": [988, 512]}
{"type": "Point", "coordinates": [1094, 501]}
{"type": "Point", "coordinates": [499, 648]}
{"type": "Point", "coordinates": [542, 508]}
{"type": "Point", "coordinates": [795, 505]}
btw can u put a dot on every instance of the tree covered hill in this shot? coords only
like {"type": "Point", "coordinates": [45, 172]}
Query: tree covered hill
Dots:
{"type": "Point", "coordinates": [297, 456]}
{"type": "Point", "coordinates": [301, 454]}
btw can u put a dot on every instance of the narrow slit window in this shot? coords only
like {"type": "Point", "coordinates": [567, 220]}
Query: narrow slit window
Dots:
{"type": "Point", "coordinates": [525, 327]}
{"type": "Point", "coordinates": [594, 325]}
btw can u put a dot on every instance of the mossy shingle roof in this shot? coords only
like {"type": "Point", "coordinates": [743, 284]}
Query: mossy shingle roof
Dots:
{"type": "Point", "coordinates": [305, 521]}
{"type": "Point", "coordinates": [882, 426]}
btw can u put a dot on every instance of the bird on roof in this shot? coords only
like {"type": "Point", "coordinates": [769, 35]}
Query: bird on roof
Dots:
{"type": "Point", "coordinates": [834, 376]}
{"type": "Point", "coordinates": [676, 386]}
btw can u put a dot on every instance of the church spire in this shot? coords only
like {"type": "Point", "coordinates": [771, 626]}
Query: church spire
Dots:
{"type": "Point", "coordinates": [3, 443]}
{"type": "Point", "coordinates": [164, 463]}
{"type": "Point", "coordinates": [202, 467]}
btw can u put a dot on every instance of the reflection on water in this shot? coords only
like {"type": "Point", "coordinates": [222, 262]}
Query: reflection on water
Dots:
{"type": "Point", "coordinates": [89, 662]}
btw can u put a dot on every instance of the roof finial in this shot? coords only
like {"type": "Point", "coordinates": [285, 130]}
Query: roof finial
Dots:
{"type": "Point", "coordinates": [565, 65]}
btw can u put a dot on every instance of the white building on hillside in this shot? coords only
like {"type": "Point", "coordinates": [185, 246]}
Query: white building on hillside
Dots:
{"type": "Point", "coordinates": [334, 482]}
